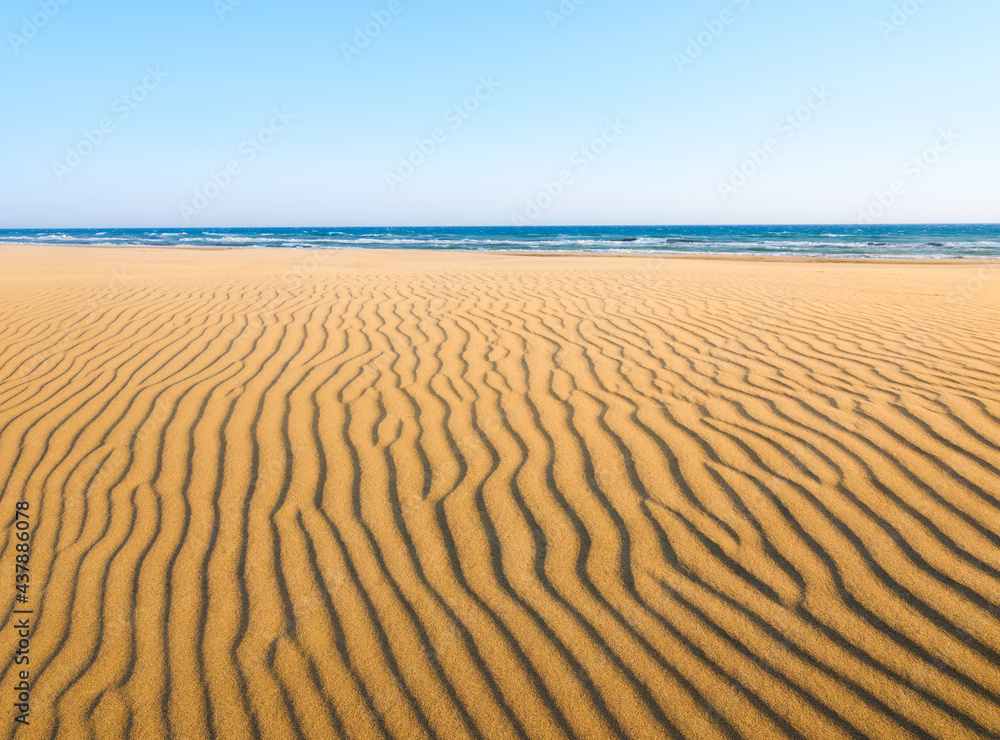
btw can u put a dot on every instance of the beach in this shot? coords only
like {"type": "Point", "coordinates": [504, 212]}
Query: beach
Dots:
{"type": "Point", "coordinates": [276, 493]}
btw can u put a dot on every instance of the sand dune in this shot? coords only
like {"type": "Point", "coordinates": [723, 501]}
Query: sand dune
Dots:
{"type": "Point", "coordinates": [420, 496]}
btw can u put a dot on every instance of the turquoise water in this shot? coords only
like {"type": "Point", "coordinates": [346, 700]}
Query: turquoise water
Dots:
{"type": "Point", "coordinates": [909, 241]}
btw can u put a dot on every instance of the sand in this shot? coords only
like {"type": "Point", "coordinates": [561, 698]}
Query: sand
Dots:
{"type": "Point", "coordinates": [276, 494]}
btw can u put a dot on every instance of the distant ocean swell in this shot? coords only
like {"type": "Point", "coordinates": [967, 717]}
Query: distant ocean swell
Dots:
{"type": "Point", "coordinates": [912, 241]}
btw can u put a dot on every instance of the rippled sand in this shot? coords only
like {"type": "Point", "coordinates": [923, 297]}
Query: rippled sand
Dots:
{"type": "Point", "coordinates": [410, 495]}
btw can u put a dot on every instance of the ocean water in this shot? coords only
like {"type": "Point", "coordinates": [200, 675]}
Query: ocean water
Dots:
{"type": "Point", "coordinates": [902, 242]}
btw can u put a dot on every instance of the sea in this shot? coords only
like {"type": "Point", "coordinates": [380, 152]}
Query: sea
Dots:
{"type": "Point", "coordinates": [935, 241]}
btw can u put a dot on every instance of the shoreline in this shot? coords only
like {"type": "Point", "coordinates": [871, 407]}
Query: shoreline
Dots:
{"type": "Point", "coordinates": [725, 257]}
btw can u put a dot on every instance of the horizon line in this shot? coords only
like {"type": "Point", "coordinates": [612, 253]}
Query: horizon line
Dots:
{"type": "Point", "coordinates": [507, 226]}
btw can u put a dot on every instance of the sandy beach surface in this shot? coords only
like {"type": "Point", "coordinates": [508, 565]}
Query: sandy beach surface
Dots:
{"type": "Point", "coordinates": [280, 494]}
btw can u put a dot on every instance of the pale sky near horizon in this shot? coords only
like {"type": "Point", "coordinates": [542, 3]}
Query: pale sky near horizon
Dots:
{"type": "Point", "coordinates": [892, 76]}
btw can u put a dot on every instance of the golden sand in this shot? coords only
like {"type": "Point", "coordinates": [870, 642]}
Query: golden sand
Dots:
{"type": "Point", "coordinates": [278, 494]}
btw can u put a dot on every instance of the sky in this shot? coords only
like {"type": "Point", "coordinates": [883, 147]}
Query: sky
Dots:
{"type": "Point", "coordinates": [257, 113]}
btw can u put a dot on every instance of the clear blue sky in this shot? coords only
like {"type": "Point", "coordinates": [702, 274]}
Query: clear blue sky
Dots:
{"type": "Point", "coordinates": [686, 128]}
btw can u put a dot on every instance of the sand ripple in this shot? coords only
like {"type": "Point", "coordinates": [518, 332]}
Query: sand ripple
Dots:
{"type": "Point", "coordinates": [489, 498]}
